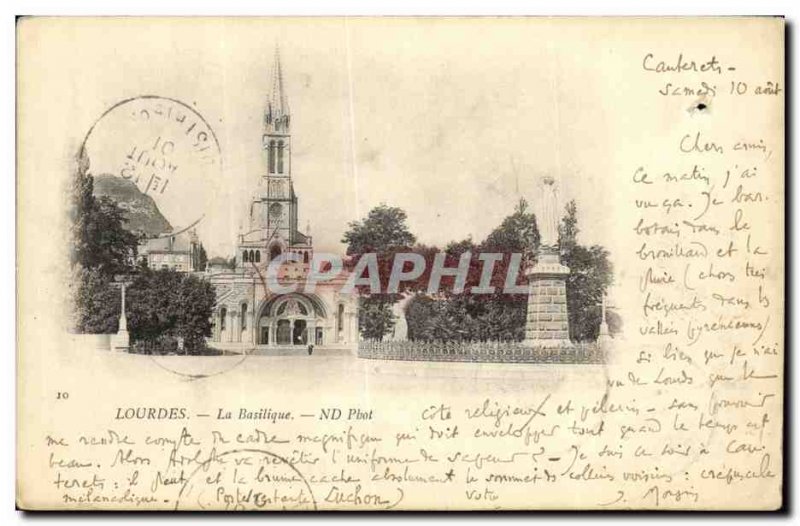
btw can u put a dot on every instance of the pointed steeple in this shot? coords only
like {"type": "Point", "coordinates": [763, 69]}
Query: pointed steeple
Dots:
{"type": "Point", "coordinates": [276, 117]}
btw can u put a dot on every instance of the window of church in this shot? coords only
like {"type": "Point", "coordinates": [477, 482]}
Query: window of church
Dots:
{"type": "Point", "coordinates": [271, 157]}
{"type": "Point", "coordinates": [245, 257]}
{"type": "Point", "coordinates": [292, 307]}
{"type": "Point", "coordinates": [244, 317]}
{"type": "Point", "coordinates": [258, 256]}
{"type": "Point", "coordinates": [223, 313]}
{"type": "Point", "coordinates": [275, 211]}
{"type": "Point", "coordinates": [280, 156]}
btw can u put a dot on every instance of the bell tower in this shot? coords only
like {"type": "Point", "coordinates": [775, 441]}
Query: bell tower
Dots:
{"type": "Point", "coordinates": [274, 207]}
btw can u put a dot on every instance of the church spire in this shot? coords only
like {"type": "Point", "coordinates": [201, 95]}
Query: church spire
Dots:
{"type": "Point", "coordinates": [277, 115]}
{"type": "Point", "coordinates": [276, 136]}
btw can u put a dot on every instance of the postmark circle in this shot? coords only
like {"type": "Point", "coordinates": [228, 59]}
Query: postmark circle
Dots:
{"type": "Point", "coordinates": [164, 147]}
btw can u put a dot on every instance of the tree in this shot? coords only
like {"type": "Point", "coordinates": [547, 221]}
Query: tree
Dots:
{"type": "Point", "coordinates": [100, 239]}
{"type": "Point", "coordinates": [468, 316]}
{"type": "Point", "coordinates": [375, 316]}
{"type": "Point", "coordinates": [150, 302]}
{"type": "Point", "coordinates": [383, 229]}
{"type": "Point", "coordinates": [166, 303]}
{"type": "Point", "coordinates": [96, 300]}
{"type": "Point", "coordinates": [517, 233]}
{"type": "Point", "coordinates": [502, 316]}
{"type": "Point", "coordinates": [568, 229]}
{"type": "Point", "coordinates": [384, 232]}
{"type": "Point", "coordinates": [195, 300]}
{"type": "Point", "coordinates": [101, 248]}
{"type": "Point", "coordinates": [590, 276]}
{"type": "Point", "coordinates": [456, 248]}
{"type": "Point", "coordinates": [464, 317]}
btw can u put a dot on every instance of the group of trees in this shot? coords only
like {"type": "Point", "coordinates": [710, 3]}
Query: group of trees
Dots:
{"type": "Point", "coordinates": [168, 304]}
{"type": "Point", "coordinates": [161, 305]}
{"type": "Point", "coordinates": [384, 232]}
{"type": "Point", "coordinates": [466, 316]}
{"type": "Point", "coordinates": [164, 305]}
{"type": "Point", "coordinates": [100, 241]}
{"type": "Point", "coordinates": [591, 273]}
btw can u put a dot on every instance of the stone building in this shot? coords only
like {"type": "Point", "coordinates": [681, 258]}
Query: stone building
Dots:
{"type": "Point", "coordinates": [179, 252]}
{"type": "Point", "coordinates": [248, 314]}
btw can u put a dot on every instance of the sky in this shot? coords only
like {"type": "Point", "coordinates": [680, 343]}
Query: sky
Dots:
{"type": "Point", "coordinates": [451, 120]}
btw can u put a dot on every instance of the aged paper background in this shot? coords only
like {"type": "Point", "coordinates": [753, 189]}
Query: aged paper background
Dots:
{"type": "Point", "coordinates": [687, 413]}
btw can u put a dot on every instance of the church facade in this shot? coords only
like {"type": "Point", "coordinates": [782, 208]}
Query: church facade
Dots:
{"type": "Point", "coordinates": [248, 314]}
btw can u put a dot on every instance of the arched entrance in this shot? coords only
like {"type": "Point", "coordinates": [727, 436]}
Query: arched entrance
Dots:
{"type": "Point", "coordinates": [274, 251]}
{"type": "Point", "coordinates": [283, 333]}
{"type": "Point", "coordinates": [300, 333]}
{"type": "Point", "coordinates": [294, 319]}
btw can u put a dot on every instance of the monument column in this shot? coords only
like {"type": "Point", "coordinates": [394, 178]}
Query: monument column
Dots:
{"type": "Point", "coordinates": [547, 322]}
{"type": "Point", "coordinates": [122, 340]}
{"type": "Point", "coordinates": [604, 335]}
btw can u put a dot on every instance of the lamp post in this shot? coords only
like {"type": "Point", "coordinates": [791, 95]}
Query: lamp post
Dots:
{"type": "Point", "coordinates": [604, 335]}
{"type": "Point", "coordinates": [121, 341]}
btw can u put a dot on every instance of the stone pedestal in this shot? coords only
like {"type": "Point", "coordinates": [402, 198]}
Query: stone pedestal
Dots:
{"type": "Point", "coordinates": [605, 333]}
{"type": "Point", "coordinates": [547, 323]}
{"type": "Point", "coordinates": [121, 341]}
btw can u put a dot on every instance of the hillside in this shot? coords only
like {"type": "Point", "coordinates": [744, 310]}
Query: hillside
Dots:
{"type": "Point", "coordinates": [140, 209]}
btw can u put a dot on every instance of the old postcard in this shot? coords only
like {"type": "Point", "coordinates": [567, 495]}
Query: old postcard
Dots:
{"type": "Point", "coordinates": [400, 263]}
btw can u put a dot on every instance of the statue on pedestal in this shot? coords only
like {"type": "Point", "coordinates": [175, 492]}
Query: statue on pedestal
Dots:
{"type": "Point", "coordinates": [547, 318]}
{"type": "Point", "coordinates": [549, 212]}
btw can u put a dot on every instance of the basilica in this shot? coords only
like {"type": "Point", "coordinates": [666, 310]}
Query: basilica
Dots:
{"type": "Point", "coordinates": [248, 315]}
